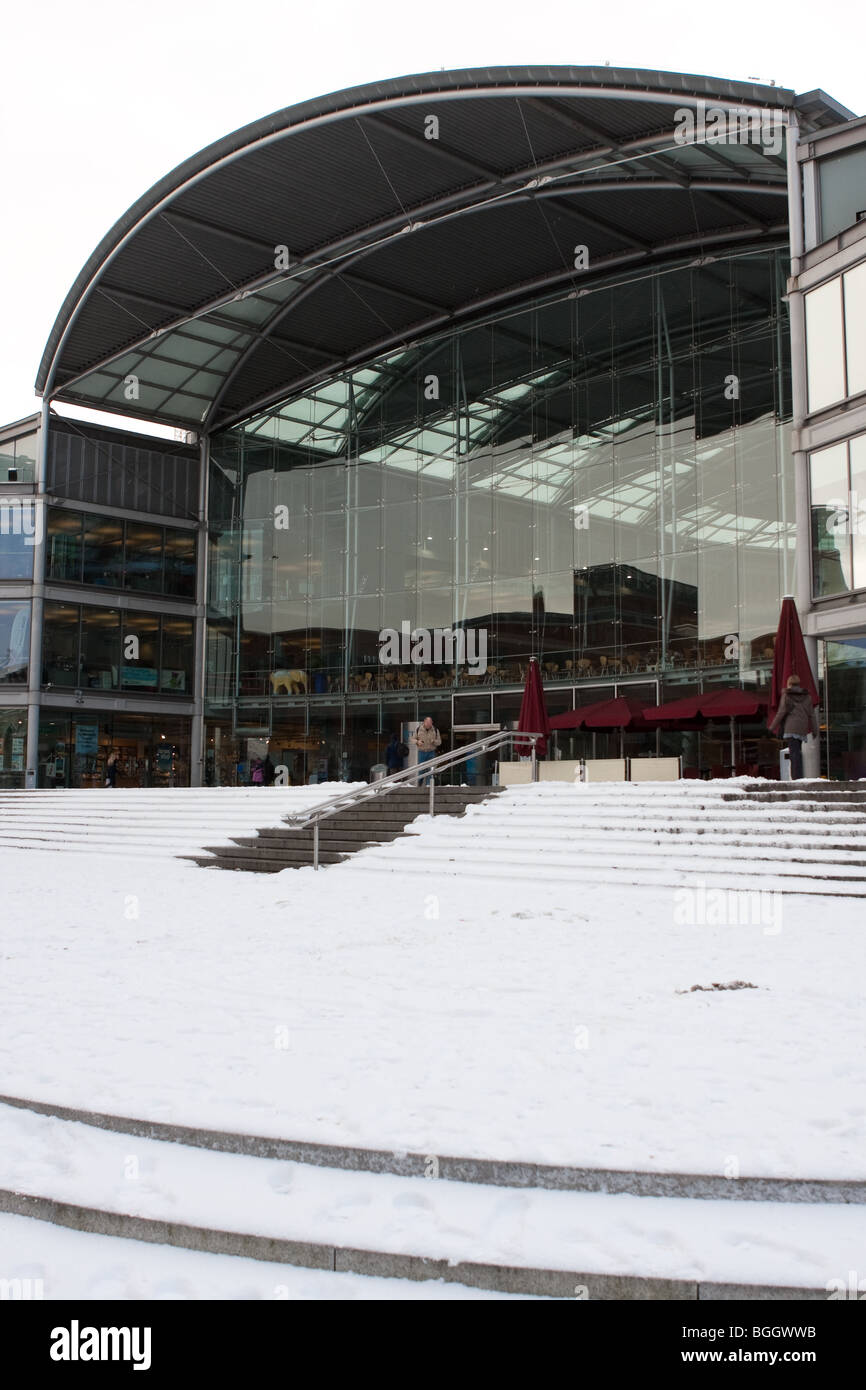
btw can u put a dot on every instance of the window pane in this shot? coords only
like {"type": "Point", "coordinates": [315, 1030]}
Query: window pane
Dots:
{"type": "Point", "coordinates": [63, 545]}
{"type": "Point", "coordinates": [842, 180]}
{"type": "Point", "coordinates": [855, 327]}
{"type": "Point", "coordinates": [825, 361]}
{"type": "Point", "coordinates": [143, 568]}
{"type": "Point", "coordinates": [177, 655]}
{"type": "Point", "coordinates": [14, 642]}
{"type": "Point", "coordinates": [60, 644]}
{"type": "Point", "coordinates": [140, 665]}
{"type": "Point", "coordinates": [18, 460]}
{"type": "Point", "coordinates": [18, 528]}
{"type": "Point", "coordinates": [831, 544]}
{"type": "Point", "coordinates": [100, 643]}
{"type": "Point", "coordinates": [103, 551]}
{"type": "Point", "coordinates": [857, 449]}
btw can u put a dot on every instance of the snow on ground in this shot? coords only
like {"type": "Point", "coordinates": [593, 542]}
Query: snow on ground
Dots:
{"type": "Point", "coordinates": [677, 1238]}
{"type": "Point", "coordinates": [72, 1265]}
{"type": "Point", "coordinates": [434, 1013]}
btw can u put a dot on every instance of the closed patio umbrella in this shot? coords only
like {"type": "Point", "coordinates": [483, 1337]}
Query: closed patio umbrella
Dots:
{"type": "Point", "coordinates": [790, 658]}
{"type": "Point", "coordinates": [533, 716]}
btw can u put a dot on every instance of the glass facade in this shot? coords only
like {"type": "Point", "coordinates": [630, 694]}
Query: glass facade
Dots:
{"type": "Point", "coordinates": [838, 493]}
{"type": "Point", "coordinates": [109, 552]}
{"type": "Point", "coordinates": [602, 481]}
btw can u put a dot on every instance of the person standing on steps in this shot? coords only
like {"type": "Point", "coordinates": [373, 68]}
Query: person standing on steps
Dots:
{"type": "Point", "coordinates": [427, 739]}
{"type": "Point", "coordinates": [795, 719]}
{"type": "Point", "coordinates": [395, 752]}
{"type": "Point", "coordinates": [111, 769]}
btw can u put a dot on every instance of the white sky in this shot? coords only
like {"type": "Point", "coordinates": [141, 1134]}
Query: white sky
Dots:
{"type": "Point", "coordinates": [99, 98]}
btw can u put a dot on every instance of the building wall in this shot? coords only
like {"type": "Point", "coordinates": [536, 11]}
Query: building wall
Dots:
{"type": "Point", "coordinates": [832, 437]}
{"type": "Point", "coordinates": [98, 542]}
{"type": "Point", "coordinates": [602, 481]}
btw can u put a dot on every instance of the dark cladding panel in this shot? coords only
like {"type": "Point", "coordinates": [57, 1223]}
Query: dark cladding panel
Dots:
{"type": "Point", "coordinates": [104, 468]}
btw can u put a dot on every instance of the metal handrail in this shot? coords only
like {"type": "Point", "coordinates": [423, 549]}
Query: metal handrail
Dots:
{"type": "Point", "coordinates": [334, 804]}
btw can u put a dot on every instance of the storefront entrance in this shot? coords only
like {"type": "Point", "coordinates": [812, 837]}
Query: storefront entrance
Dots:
{"type": "Point", "coordinates": [74, 748]}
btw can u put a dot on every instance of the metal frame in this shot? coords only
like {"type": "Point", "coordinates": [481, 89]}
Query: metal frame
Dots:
{"type": "Point", "coordinates": [374, 104]}
{"type": "Point", "coordinates": [335, 804]}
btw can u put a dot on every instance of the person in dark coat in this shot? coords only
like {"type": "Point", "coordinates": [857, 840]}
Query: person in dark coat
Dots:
{"type": "Point", "coordinates": [111, 769]}
{"type": "Point", "coordinates": [795, 719]}
{"type": "Point", "coordinates": [269, 771]}
{"type": "Point", "coordinates": [395, 752]}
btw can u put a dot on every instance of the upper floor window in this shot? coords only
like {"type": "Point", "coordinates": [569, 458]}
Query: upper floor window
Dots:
{"type": "Point", "coordinates": [18, 459]}
{"type": "Point", "coordinates": [116, 554]}
{"type": "Point", "coordinates": [836, 339]}
{"type": "Point", "coordinates": [842, 185]}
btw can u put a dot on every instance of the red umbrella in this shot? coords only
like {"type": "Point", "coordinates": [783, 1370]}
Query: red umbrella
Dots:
{"type": "Point", "coordinates": [621, 713]}
{"type": "Point", "coordinates": [533, 711]}
{"type": "Point", "coordinates": [695, 710]}
{"type": "Point", "coordinates": [790, 658]}
{"type": "Point", "coordinates": [715, 704]}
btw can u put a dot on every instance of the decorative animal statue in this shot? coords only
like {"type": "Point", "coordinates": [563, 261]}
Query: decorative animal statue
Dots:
{"type": "Point", "coordinates": [291, 682]}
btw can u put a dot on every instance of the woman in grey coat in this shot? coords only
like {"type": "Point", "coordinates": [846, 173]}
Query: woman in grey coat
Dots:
{"type": "Point", "coordinates": [795, 719]}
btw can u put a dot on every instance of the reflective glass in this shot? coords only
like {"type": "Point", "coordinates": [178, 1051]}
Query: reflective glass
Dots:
{"type": "Point", "coordinates": [825, 354]}
{"type": "Point", "coordinates": [601, 482]}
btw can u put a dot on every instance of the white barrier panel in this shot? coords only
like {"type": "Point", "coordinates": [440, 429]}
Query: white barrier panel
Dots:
{"type": "Point", "coordinates": [604, 770]}
{"type": "Point", "coordinates": [563, 770]}
{"type": "Point", "coordinates": [514, 774]}
{"type": "Point", "coordinates": [655, 769]}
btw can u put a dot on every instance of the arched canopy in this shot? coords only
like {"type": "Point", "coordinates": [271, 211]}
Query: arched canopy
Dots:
{"type": "Point", "coordinates": [348, 226]}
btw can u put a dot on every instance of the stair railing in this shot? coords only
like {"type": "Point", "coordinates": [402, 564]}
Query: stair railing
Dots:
{"type": "Point", "coordinates": [408, 776]}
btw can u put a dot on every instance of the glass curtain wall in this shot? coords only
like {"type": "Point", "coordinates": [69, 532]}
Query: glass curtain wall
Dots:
{"type": "Point", "coordinates": [601, 481]}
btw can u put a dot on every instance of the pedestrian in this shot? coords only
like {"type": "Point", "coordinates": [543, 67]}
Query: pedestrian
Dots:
{"type": "Point", "coordinates": [269, 771]}
{"type": "Point", "coordinates": [257, 773]}
{"type": "Point", "coordinates": [426, 739]}
{"type": "Point", "coordinates": [395, 752]}
{"type": "Point", "coordinates": [795, 719]}
{"type": "Point", "coordinates": [111, 769]}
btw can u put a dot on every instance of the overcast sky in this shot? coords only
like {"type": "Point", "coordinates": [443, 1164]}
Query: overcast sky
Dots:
{"type": "Point", "coordinates": [100, 98]}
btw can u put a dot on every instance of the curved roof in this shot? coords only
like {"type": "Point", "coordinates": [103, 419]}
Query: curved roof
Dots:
{"type": "Point", "coordinates": [343, 227]}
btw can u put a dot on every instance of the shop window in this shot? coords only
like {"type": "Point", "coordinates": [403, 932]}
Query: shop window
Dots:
{"type": "Point", "coordinates": [13, 747]}
{"type": "Point", "coordinates": [176, 669]}
{"type": "Point", "coordinates": [140, 652]}
{"type": "Point", "coordinates": [100, 648]}
{"type": "Point", "coordinates": [60, 666]}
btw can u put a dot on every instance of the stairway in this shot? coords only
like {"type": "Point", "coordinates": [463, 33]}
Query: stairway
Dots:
{"type": "Point", "coordinates": [765, 836]}
{"type": "Point", "coordinates": [377, 821]}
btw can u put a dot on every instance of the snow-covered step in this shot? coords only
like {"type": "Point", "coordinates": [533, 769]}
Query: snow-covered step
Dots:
{"type": "Point", "coordinates": [252, 1202]}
